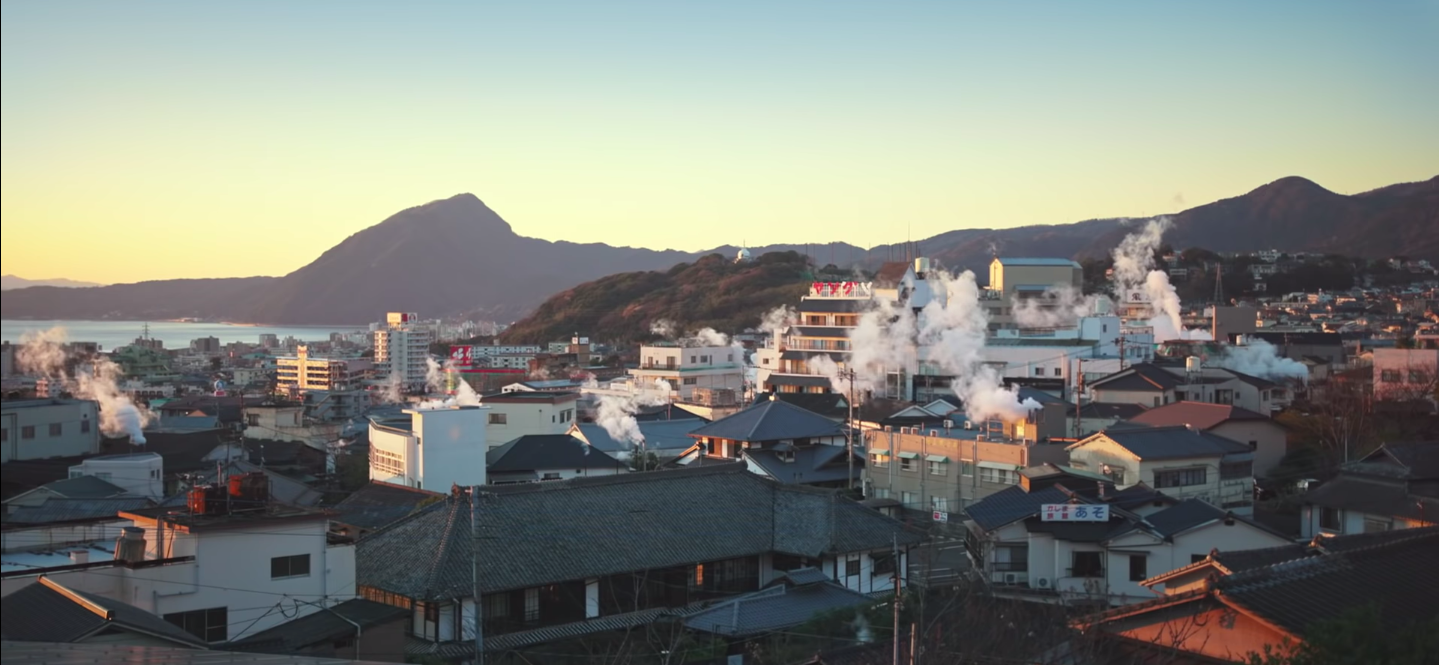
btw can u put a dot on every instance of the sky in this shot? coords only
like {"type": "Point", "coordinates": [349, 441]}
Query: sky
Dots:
{"type": "Point", "coordinates": [154, 140]}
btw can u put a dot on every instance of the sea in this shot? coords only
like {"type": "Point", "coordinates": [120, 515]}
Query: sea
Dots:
{"type": "Point", "coordinates": [175, 334]}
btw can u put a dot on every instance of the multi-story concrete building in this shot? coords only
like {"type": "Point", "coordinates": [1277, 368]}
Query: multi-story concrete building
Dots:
{"type": "Point", "coordinates": [430, 448]}
{"type": "Point", "coordinates": [402, 345]}
{"type": "Point", "coordinates": [1406, 374]}
{"type": "Point", "coordinates": [302, 372]}
{"type": "Point", "coordinates": [515, 414]}
{"type": "Point", "coordinates": [687, 368]}
{"type": "Point", "coordinates": [1012, 280]}
{"type": "Point", "coordinates": [947, 470]}
{"type": "Point", "coordinates": [41, 428]}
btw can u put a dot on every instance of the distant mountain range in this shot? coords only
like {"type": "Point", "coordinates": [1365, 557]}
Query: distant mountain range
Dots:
{"type": "Point", "coordinates": [10, 282]}
{"type": "Point", "coordinates": [456, 257]}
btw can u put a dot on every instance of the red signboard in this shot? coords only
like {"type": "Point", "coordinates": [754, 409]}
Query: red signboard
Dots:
{"type": "Point", "coordinates": [462, 356]}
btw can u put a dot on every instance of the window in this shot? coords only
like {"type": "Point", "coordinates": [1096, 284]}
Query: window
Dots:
{"type": "Point", "coordinates": [1374, 525]}
{"type": "Point", "coordinates": [881, 493]}
{"type": "Point", "coordinates": [551, 475]}
{"type": "Point", "coordinates": [532, 605]}
{"type": "Point", "coordinates": [1253, 445]}
{"type": "Point", "coordinates": [1156, 400]}
{"type": "Point", "coordinates": [1181, 477]}
{"type": "Point", "coordinates": [499, 419]}
{"type": "Point", "coordinates": [1088, 564]}
{"type": "Point", "coordinates": [103, 475]}
{"type": "Point", "coordinates": [1389, 376]}
{"type": "Point", "coordinates": [209, 625]}
{"type": "Point", "coordinates": [1329, 519]}
{"type": "Point", "coordinates": [691, 380]}
{"type": "Point", "coordinates": [27, 431]}
{"type": "Point", "coordinates": [936, 468]}
{"type": "Point", "coordinates": [1236, 470]}
{"type": "Point", "coordinates": [998, 476]}
{"type": "Point", "coordinates": [851, 566]}
{"type": "Point", "coordinates": [4, 434]}
{"type": "Point", "coordinates": [966, 468]}
{"type": "Point", "coordinates": [289, 566]}
{"type": "Point", "coordinates": [907, 498]}
{"type": "Point", "coordinates": [906, 464]}
{"type": "Point", "coordinates": [788, 562]}
{"type": "Point", "coordinates": [252, 419]}
{"type": "Point", "coordinates": [883, 565]}
{"type": "Point", "coordinates": [1011, 558]}
{"type": "Point", "coordinates": [56, 429]}
{"type": "Point", "coordinates": [1039, 371]}
{"type": "Point", "coordinates": [939, 504]}
{"type": "Point", "coordinates": [1416, 376]}
{"type": "Point", "coordinates": [1138, 567]}
{"type": "Point", "coordinates": [84, 427]}
{"type": "Point", "coordinates": [879, 460]}
{"type": "Point", "coordinates": [1058, 372]}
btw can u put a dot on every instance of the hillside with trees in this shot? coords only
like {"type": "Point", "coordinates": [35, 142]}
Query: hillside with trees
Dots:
{"type": "Point", "coordinates": [713, 292]}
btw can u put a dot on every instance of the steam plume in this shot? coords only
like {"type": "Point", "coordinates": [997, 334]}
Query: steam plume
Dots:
{"type": "Point", "coordinates": [392, 393]}
{"type": "Point", "coordinates": [436, 381]}
{"type": "Point", "coordinates": [664, 328]}
{"type": "Point", "coordinates": [777, 320]}
{"type": "Point", "coordinates": [616, 413]}
{"type": "Point", "coordinates": [1060, 306]}
{"type": "Point", "coordinates": [1134, 270]}
{"type": "Point", "coordinates": [43, 355]}
{"type": "Point", "coordinates": [1260, 358]}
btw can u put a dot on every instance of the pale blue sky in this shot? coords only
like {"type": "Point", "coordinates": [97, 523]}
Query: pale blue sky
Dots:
{"type": "Point", "coordinates": [280, 128]}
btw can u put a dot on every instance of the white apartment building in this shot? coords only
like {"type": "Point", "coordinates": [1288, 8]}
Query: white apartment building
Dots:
{"type": "Point", "coordinates": [402, 344]}
{"type": "Point", "coordinates": [511, 415]}
{"type": "Point", "coordinates": [41, 428]}
{"type": "Point", "coordinates": [687, 368]}
{"type": "Point", "coordinates": [140, 474]}
{"type": "Point", "coordinates": [431, 448]}
{"type": "Point", "coordinates": [219, 576]}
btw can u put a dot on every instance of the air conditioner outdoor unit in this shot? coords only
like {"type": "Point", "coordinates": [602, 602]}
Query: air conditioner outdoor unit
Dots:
{"type": "Point", "coordinates": [1044, 583]}
{"type": "Point", "coordinates": [934, 432]}
{"type": "Point", "coordinates": [949, 424]}
{"type": "Point", "coordinates": [1009, 578]}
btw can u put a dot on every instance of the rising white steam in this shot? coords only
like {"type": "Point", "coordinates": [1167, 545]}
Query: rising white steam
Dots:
{"type": "Point", "coordinates": [1134, 272]}
{"type": "Point", "coordinates": [436, 382]}
{"type": "Point", "coordinates": [43, 354]}
{"type": "Point", "coordinates": [616, 413]}
{"type": "Point", "coordinates": [951, 330]}
{"type": "Point", "coordinates": [778, 320]}
{"type": "Point", "coordinates": [1260, 358]}
{"type": "Point", "coordinates": [1061, 306]}
{"type": "Point", "coordinates": [392, 392]}
{"type": "Point", "coordinates": [664, 328]}
{"type": "Point", "coordinates": [954, 334]}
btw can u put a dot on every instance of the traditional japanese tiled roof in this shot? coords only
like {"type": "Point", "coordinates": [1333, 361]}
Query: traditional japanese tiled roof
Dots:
{"type": "Point", "coordinates": [770, 420]}
{"type": "Point", "coordinates": [542, 533]}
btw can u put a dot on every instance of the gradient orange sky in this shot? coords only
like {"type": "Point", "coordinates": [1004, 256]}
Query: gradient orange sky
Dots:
{"type": "Point", "coordinates": [151, 140]}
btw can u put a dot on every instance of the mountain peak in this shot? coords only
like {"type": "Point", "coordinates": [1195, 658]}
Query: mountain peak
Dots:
{"type": "Point", "coordinates": [1292, 185]}
{"type": "Point", "coordinates": [463, 209]}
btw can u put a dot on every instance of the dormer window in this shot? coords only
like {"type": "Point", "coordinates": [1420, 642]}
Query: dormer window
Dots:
{"type": "Point", "coordinates": [786, 456]}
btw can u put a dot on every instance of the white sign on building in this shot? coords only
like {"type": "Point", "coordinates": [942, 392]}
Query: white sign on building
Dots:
{"type": "Point", "coordinates": [1071, 512]}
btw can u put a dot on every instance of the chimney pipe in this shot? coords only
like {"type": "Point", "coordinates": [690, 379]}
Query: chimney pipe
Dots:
{"type": "Point", "coordinates": [130, 546]}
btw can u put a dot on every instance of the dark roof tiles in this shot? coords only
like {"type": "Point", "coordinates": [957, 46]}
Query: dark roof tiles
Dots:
{"type": "Point", "coordinates": [770, 420]}
{"type": "Point", "coordinates": [1199, 414]}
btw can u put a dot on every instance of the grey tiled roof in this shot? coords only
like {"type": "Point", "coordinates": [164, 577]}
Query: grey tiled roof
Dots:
{"type": "Point", "coordinates": [546, 451]}
{"type": "Point", "coordinates": [378, 504]}
{"type": "Point", "coordinates": [1420, 459]}
{"type": "Point", "coordinates": [542, 533]}
{"type": "Point", "coordinates": [672, 436]}
{"type": "Point", "coordinates": [1295, 594]}
{"type": "Point", "coordinates": [84, 487]}
{"type": "Point", "coordinates": [770, 420]}
{"type": "Point", "coordinates": [40, 612]}
{"type": "Point", "coordinates": [775, 608]}
{"type": "Point", "coordinates": [812, 464]}
{"type": "Point", "coordinates": [321, 626]}
{"type": "Point", "coordinates": [1375, 497]}
{"type": "Point", "coordinates": [1155, 443]}
{"type": "Point", "coordinates": [70, 510]}
{"type": "Point", "coordinates": [1143, 377]}
{"type": "Point", "coordinates": [1183, 516]}
{"type": "Point", "coordinates": [1012, 504]}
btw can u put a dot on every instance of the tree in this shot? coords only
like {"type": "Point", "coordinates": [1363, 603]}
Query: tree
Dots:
{"type": "Point", "coordinates": [1360, 636]}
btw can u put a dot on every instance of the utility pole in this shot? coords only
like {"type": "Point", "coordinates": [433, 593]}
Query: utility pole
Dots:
{"type": "Point", "coordinates": [848, 374]}
{"type": "Point", "coordinates": [1121, 350]}
{"type": "Point", "coordinates": [1078, 396]}
{"type": "Point", "coordinates": [895, 554]}
{"type": "Point", "coordinates": [475, 560]}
